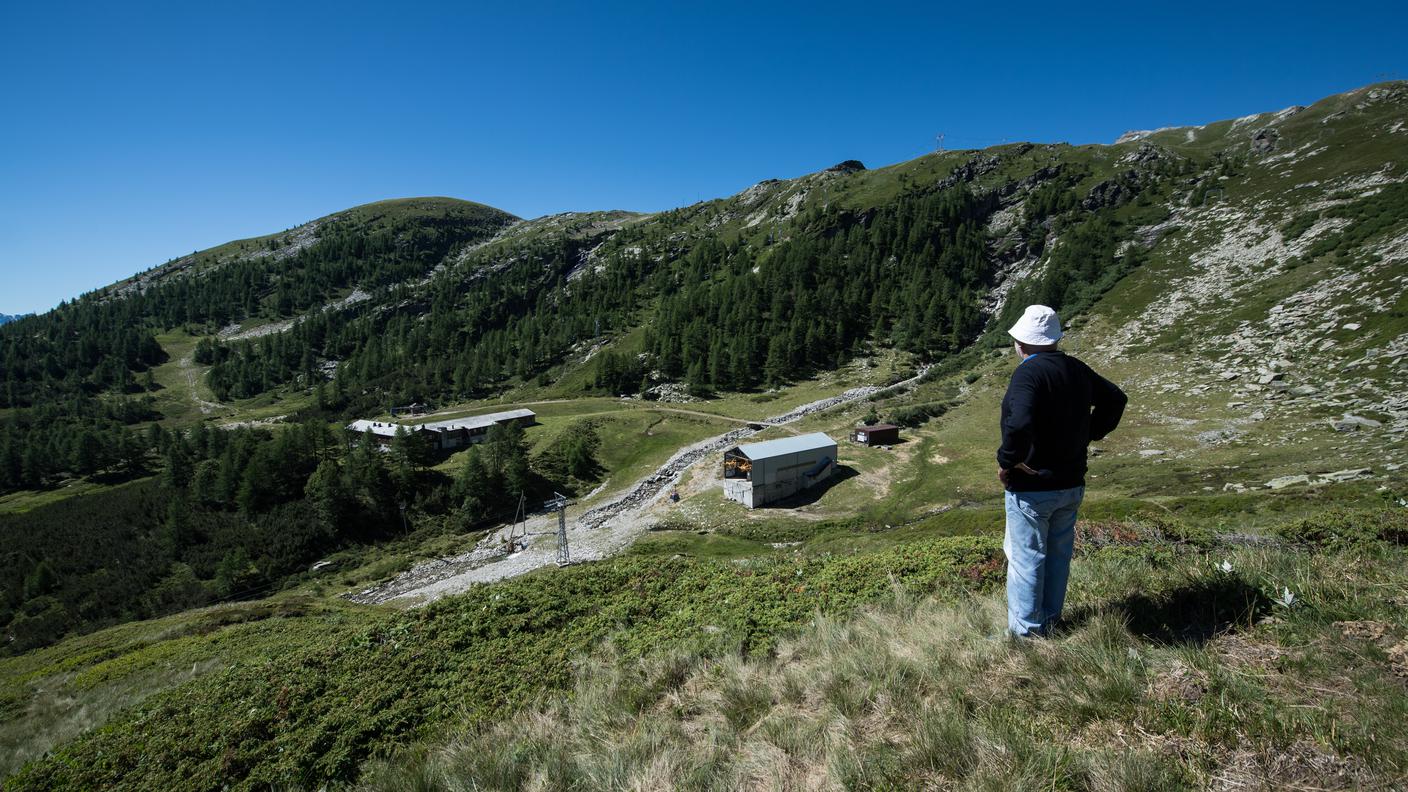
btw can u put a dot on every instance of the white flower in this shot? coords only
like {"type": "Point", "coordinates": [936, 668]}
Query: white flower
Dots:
{"type": "Point", "coordinates": [1287, 599]}
{"type": "Point", "coordinates": [1225, 567]}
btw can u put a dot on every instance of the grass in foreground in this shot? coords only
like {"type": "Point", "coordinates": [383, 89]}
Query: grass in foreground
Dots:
{"type": "Point", "coordinates": [352, 685]}
{"type": "Point", "coordinates": [1174, 672]}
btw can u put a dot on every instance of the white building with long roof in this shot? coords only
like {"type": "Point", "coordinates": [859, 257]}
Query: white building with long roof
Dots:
{"type": "Point", "coordinates": [447, 434]}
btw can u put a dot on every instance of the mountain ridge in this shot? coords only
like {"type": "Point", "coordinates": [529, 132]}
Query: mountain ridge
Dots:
{"type": "Point", "coordinates": [1244, 284]}
{"type": "Point", "coordinates": [1133, 136]}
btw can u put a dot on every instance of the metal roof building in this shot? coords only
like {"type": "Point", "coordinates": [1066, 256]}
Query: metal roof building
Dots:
{"type": "Point", "coordinates": [756, 474]}
{"type": "Point", "coordinates": [451, 433]}
{"type": "Point", "coordinates": [382, 431]}
{"type": "Point", "coordinates": [478, 421]}
{"type": "Point", "coordinates": [457, 432]}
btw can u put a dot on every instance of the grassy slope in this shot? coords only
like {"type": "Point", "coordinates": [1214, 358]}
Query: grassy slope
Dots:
{"type": "Point", "coordinates": [340, 687]}
{"type": "Point", "coordinates": [52, 695]}
{"type": "Point", "coordinates": [184, 398]}
{"type": "Point", "coordinates": [1169, 674]}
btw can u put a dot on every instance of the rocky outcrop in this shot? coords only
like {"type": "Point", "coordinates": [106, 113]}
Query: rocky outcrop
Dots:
{"type": "Point", "coordinates": [1025, 184]}
{"type": "Point", "coordinates": [1146, 154]}
{"type": "Point", "coordinates": [979, 165]}
{"type": "Point", "coordinates": [1265, 141]}
{"type": "Point", "coordinates": [1111, 192]}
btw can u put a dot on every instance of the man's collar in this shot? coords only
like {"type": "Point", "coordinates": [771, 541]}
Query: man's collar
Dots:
{"type": "Point", "coordinates": [1040, 352]}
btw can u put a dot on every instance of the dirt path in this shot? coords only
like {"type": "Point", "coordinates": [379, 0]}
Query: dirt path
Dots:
{"type": "Point", "coordinates": [187, 365]}
{"type": "Point", "coordinates": [716, 416]}
{"type": "Point", "coordinates": [597, 533]}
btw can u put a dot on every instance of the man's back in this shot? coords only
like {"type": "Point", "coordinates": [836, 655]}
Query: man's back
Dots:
{"type": "Point", "coordinates": [1047, 420]}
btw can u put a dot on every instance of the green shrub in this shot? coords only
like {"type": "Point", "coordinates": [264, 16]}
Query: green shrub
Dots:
{"type": "Point", "coordinates": [1299, 225]}
{"type": "Point", "coordinates": [914, 415]}
{"type": "Point", "coordinates": [1342, 527]}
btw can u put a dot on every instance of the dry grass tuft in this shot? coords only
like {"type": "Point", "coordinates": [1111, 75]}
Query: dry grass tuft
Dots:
{"type": "Point", "coordinates": [1363, 628]}
{"type": "Point", "coordinates": [1398, 659]}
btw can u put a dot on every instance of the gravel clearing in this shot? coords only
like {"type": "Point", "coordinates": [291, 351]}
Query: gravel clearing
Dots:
{"type": "Point", "coordinates": [597, 533]}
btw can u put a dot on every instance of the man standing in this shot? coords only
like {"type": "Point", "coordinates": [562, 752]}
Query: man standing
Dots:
{"type": "Point", "coordinates": [1055, 405]}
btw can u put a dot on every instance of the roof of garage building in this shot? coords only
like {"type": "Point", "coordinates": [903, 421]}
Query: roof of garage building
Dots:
{"type": "Point", "coordinates": [388, 428]}
{"type": "Point", "coordinates": [787, 445]}
{"type": "Point", "coordinates": [380, 428]}
{"type": "Point", "coordinates": [477, 421]}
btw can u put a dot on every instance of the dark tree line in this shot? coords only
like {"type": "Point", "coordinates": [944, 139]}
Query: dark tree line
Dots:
{"type": "Point", "coordinates": [225, 518]}
{"type": "Point", "coordinates": [239, 513]}
{"type": "Point", "coordinates": [75, 350]}
{"type": "Point", "coordinates": [911, 275]}
{"type": "Point", "coordinates": [463, 338]}
{"type": "Point", "coordinates": [78, 436]}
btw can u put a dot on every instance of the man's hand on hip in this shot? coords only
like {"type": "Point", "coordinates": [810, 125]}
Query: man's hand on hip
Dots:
{"type": "Point", "coordinates": [1005, 474]}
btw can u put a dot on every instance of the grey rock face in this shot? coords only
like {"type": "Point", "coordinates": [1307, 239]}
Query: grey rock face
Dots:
{"type": "Point", "coordinates": [1264, 141]}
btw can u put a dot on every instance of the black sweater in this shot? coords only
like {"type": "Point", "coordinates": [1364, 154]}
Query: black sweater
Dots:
{"type": "Point", "coordinates": [1055, 405]}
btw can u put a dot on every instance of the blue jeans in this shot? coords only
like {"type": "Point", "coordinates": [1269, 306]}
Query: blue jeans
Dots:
{"type": "Point", "coordinates": [1041, 535]}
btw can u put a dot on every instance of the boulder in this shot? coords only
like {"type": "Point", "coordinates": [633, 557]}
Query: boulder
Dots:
{"type": "Point", "coordinates": [1353, 423]}
{"type": "Point", "coordinates": [1281, 482]}
{"type": "Point", "coordinates": [1217, 436]}
{"type": "Point", "coordinates": [1349, 475]}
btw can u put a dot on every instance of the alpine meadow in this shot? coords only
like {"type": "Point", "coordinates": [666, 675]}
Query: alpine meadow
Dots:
{"type": "Point", "coordinates": [424, 495]}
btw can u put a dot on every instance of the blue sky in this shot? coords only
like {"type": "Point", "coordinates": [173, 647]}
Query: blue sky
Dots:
{"type": "Point", "coordinates": [133, 133]}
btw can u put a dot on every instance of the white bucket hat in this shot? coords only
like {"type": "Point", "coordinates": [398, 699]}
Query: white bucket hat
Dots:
{"type": "Point", "coordinates": [1039, 326]}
